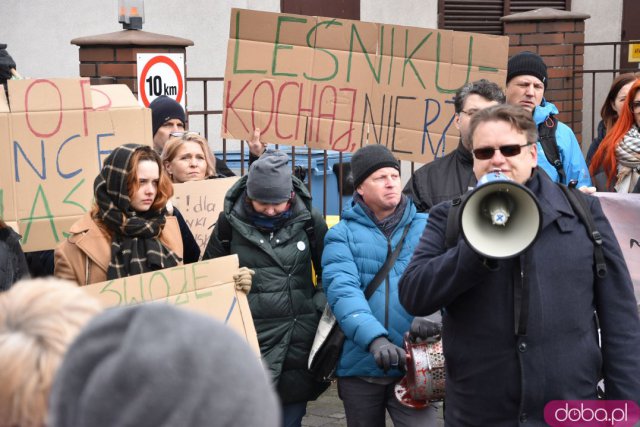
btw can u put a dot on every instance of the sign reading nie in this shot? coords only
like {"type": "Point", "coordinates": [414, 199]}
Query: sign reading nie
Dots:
{"type": "Point", "coordinates": [339, 84]}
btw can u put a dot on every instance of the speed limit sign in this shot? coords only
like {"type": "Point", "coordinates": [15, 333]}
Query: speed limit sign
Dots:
{"type": "Point", "coordinates": [160, 74]}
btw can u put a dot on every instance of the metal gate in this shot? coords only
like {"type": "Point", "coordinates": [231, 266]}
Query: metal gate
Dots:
{"type": "Point", "coordinates": [333, 191]}
{"type": "Point", "coordinates": [595, 83]}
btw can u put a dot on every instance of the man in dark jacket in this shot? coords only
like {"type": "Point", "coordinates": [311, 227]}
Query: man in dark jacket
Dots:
{"type": "Point", "coordinates": [275, 232]}
{"type": "Point", "coordinates": [451, 176]}
{"type": "Point", "coordinates": [503, 368]}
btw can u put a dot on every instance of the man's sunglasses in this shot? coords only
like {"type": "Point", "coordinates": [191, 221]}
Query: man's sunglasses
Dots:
{"type": "Point", "coordinates": [183, 134]}
{"type": "Point", "coordinates": [506, 150]}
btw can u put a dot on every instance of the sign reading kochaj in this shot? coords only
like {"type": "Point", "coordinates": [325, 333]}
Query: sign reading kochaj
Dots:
{"type": "Point", "coordinates": [338, 84]}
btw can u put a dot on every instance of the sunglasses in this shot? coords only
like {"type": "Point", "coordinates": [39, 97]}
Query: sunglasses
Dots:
{"type": "Point", "coordinates": [184, 133]}
{"type": "Point", "coordinates": [506, 150]}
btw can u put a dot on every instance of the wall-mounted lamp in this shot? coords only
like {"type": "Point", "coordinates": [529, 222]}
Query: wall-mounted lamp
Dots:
{"type": "Point", "coordinates": [131, 14]}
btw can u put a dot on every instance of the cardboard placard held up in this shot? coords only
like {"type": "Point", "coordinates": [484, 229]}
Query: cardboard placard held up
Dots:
{"type": "Point", "coordinates": [339, 84]}
{"type": "Point", "coordinates": [200, 203]}
{"type": "Point", "coordinates": [53, 140]}
{"type": "Point", "coordinates": [206, 287]}
{"type": "Point", "coordinates": [623, 211]}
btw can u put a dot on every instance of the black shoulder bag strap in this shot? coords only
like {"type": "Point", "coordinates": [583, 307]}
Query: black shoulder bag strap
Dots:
{"type": "Point", "coordinates": [547, 134]}
{"type": "Point", "coordinates": [386, 267]}
{"type": "Point", "coordinates": [223, 228]}
{"type": "Point", "coordinates": [580, 207]}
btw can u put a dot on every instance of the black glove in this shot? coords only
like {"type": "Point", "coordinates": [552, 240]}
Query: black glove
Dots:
{"type": "Point", "coordinates": [423, 328]}
{"type": "Point", "coordinates": [387, 354]}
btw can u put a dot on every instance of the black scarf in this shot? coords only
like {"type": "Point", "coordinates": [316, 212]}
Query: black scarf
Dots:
{"type": "Point", "coordinates": [135, 247]}
{"type": "Point", "coordinates": [264, 222]}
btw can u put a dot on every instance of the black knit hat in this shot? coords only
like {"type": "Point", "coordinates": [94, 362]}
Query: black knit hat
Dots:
{"type": "Point", "coordinates": [369, 159]}
{"type": "Point", "coordinates": [164, 109]}
{"type": "Point", "coordinates": [529, 64]}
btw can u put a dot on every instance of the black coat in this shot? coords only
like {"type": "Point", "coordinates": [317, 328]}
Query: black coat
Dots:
{"type": "Point", "coordinates": [443, 179]}
{"type": "Point", "coordinates": [13, 265]}
{"type": "Point", "coordinates": [495, 378]}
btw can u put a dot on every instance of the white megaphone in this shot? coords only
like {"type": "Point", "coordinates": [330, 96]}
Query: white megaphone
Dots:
{"type": "Point", "coordinates": [500, 218]}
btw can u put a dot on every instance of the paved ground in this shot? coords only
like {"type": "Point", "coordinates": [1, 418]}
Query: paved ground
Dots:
{"type": "Point", "coordinates": [327, 411]}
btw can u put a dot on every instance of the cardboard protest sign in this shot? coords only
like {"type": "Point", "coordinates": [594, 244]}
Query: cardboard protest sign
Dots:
{"type": "Point", "coordinates": [339, 84]}
{"type": "Point", "coordinates": [623, 211]}
{"type": "Point", "coordinates": [206, 287]}
{"type": "Point", "coordinates": [53, 140]}
{"type": "Point", "coordinates": [200, 203]}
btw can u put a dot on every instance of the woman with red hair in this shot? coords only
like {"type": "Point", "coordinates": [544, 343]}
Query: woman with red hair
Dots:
{"type": "Point", "coordinates": [615, 166]}
{"type": "Point", "coordinates": [128, 230]}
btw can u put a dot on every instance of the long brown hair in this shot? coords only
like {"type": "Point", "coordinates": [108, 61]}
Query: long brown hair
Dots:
{"type": "Point", "coordinates": [165, 187]}
{"type": "Point", "coordinates": [607, 112]}
{"type": "Point", "coordinates": [605, 155]}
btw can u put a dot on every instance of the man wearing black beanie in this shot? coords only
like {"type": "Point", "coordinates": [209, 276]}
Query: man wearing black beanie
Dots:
{"type": "Point", "coordinates": [379, 220]}
{"type": "Point", "coordinates": [560, 154]}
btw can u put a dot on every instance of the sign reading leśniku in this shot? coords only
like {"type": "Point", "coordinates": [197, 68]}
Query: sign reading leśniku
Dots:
{"type": "Point", "coordinates": [339, 84]}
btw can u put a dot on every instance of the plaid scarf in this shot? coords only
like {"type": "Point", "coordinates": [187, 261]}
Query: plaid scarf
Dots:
{"type": "Point", "coordinates": [135, 247]}
{"type": "Point", "coordinates": [628, 157]}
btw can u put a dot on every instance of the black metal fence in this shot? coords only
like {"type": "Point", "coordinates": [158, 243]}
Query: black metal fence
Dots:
{"type": "Point", "coordinates": [340, 169]}
{"type": "Point", "coordinates": [589, 79]}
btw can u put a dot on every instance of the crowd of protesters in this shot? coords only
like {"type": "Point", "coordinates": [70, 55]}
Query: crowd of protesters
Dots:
{"type": "Point", "coordinates": [517, 333]}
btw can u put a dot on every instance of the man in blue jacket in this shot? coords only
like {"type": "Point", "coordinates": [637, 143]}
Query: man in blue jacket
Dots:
{"type": "Point", "coordinates": [521, 332]}
{"type": "Point", "coordinates": [526, 83]}
{"type": "Point", "coordinates": [355, 250]}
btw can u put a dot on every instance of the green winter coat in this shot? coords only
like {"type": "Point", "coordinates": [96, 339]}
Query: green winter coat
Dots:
{"type": "Point", "coordinates": [284, 303]}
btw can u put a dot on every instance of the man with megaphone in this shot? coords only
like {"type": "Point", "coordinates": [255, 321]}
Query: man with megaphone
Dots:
{"type": "Point", "coordinates": [518, 324]}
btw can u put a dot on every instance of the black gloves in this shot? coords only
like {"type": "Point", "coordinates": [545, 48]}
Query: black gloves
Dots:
{"type": "Point", "coordinates": [423, 328]}
{"type": "Point", "coordinates": [387, 355]}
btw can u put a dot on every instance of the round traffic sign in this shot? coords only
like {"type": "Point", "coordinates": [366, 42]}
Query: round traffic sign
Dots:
{"type": "Point", "coordinates": [156, 80]}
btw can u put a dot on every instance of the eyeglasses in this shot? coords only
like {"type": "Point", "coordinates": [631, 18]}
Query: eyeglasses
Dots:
{"type": "Point", "coordinates": [635, 105]}
{"type": "Point", "coordinates": [506, 150]}
{"type": "Point", "coordinates": [184, 134]}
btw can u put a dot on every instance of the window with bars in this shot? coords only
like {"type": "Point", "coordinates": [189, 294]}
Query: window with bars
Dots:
{"type": "Point", "coordinates": [483, 16]}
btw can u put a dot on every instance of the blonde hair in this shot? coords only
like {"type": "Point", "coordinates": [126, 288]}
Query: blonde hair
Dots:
{"type": "Point", "coordinates": [175, 142]}
{"type": "Point", "coordinates": [38, 320]}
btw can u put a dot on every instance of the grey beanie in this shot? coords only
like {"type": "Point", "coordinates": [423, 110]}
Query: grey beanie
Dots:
{"type": "Point", "coordinates": [164, 109]}
{"type": "Point", "coordinates": [155, 365]}
{"type": "Point", "coordinates": [527, 64]}
{"type": "Point", "coordinates": [269, 179]}
{"type": "Point", "coordinates": [369, 159]}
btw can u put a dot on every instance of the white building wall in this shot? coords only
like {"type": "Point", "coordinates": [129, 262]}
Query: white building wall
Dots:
{"type": "Point", "coordinates": [38, 33]}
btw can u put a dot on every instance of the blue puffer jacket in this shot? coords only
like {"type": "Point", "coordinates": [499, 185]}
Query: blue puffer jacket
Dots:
{"type": "Point", "coordinates": [354, 251]}
{"type": "Point", "coordinates": [570, 153]}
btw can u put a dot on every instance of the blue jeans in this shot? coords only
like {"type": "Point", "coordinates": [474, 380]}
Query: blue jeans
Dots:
{"type": "Point", "coordinates": [293, 413]}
